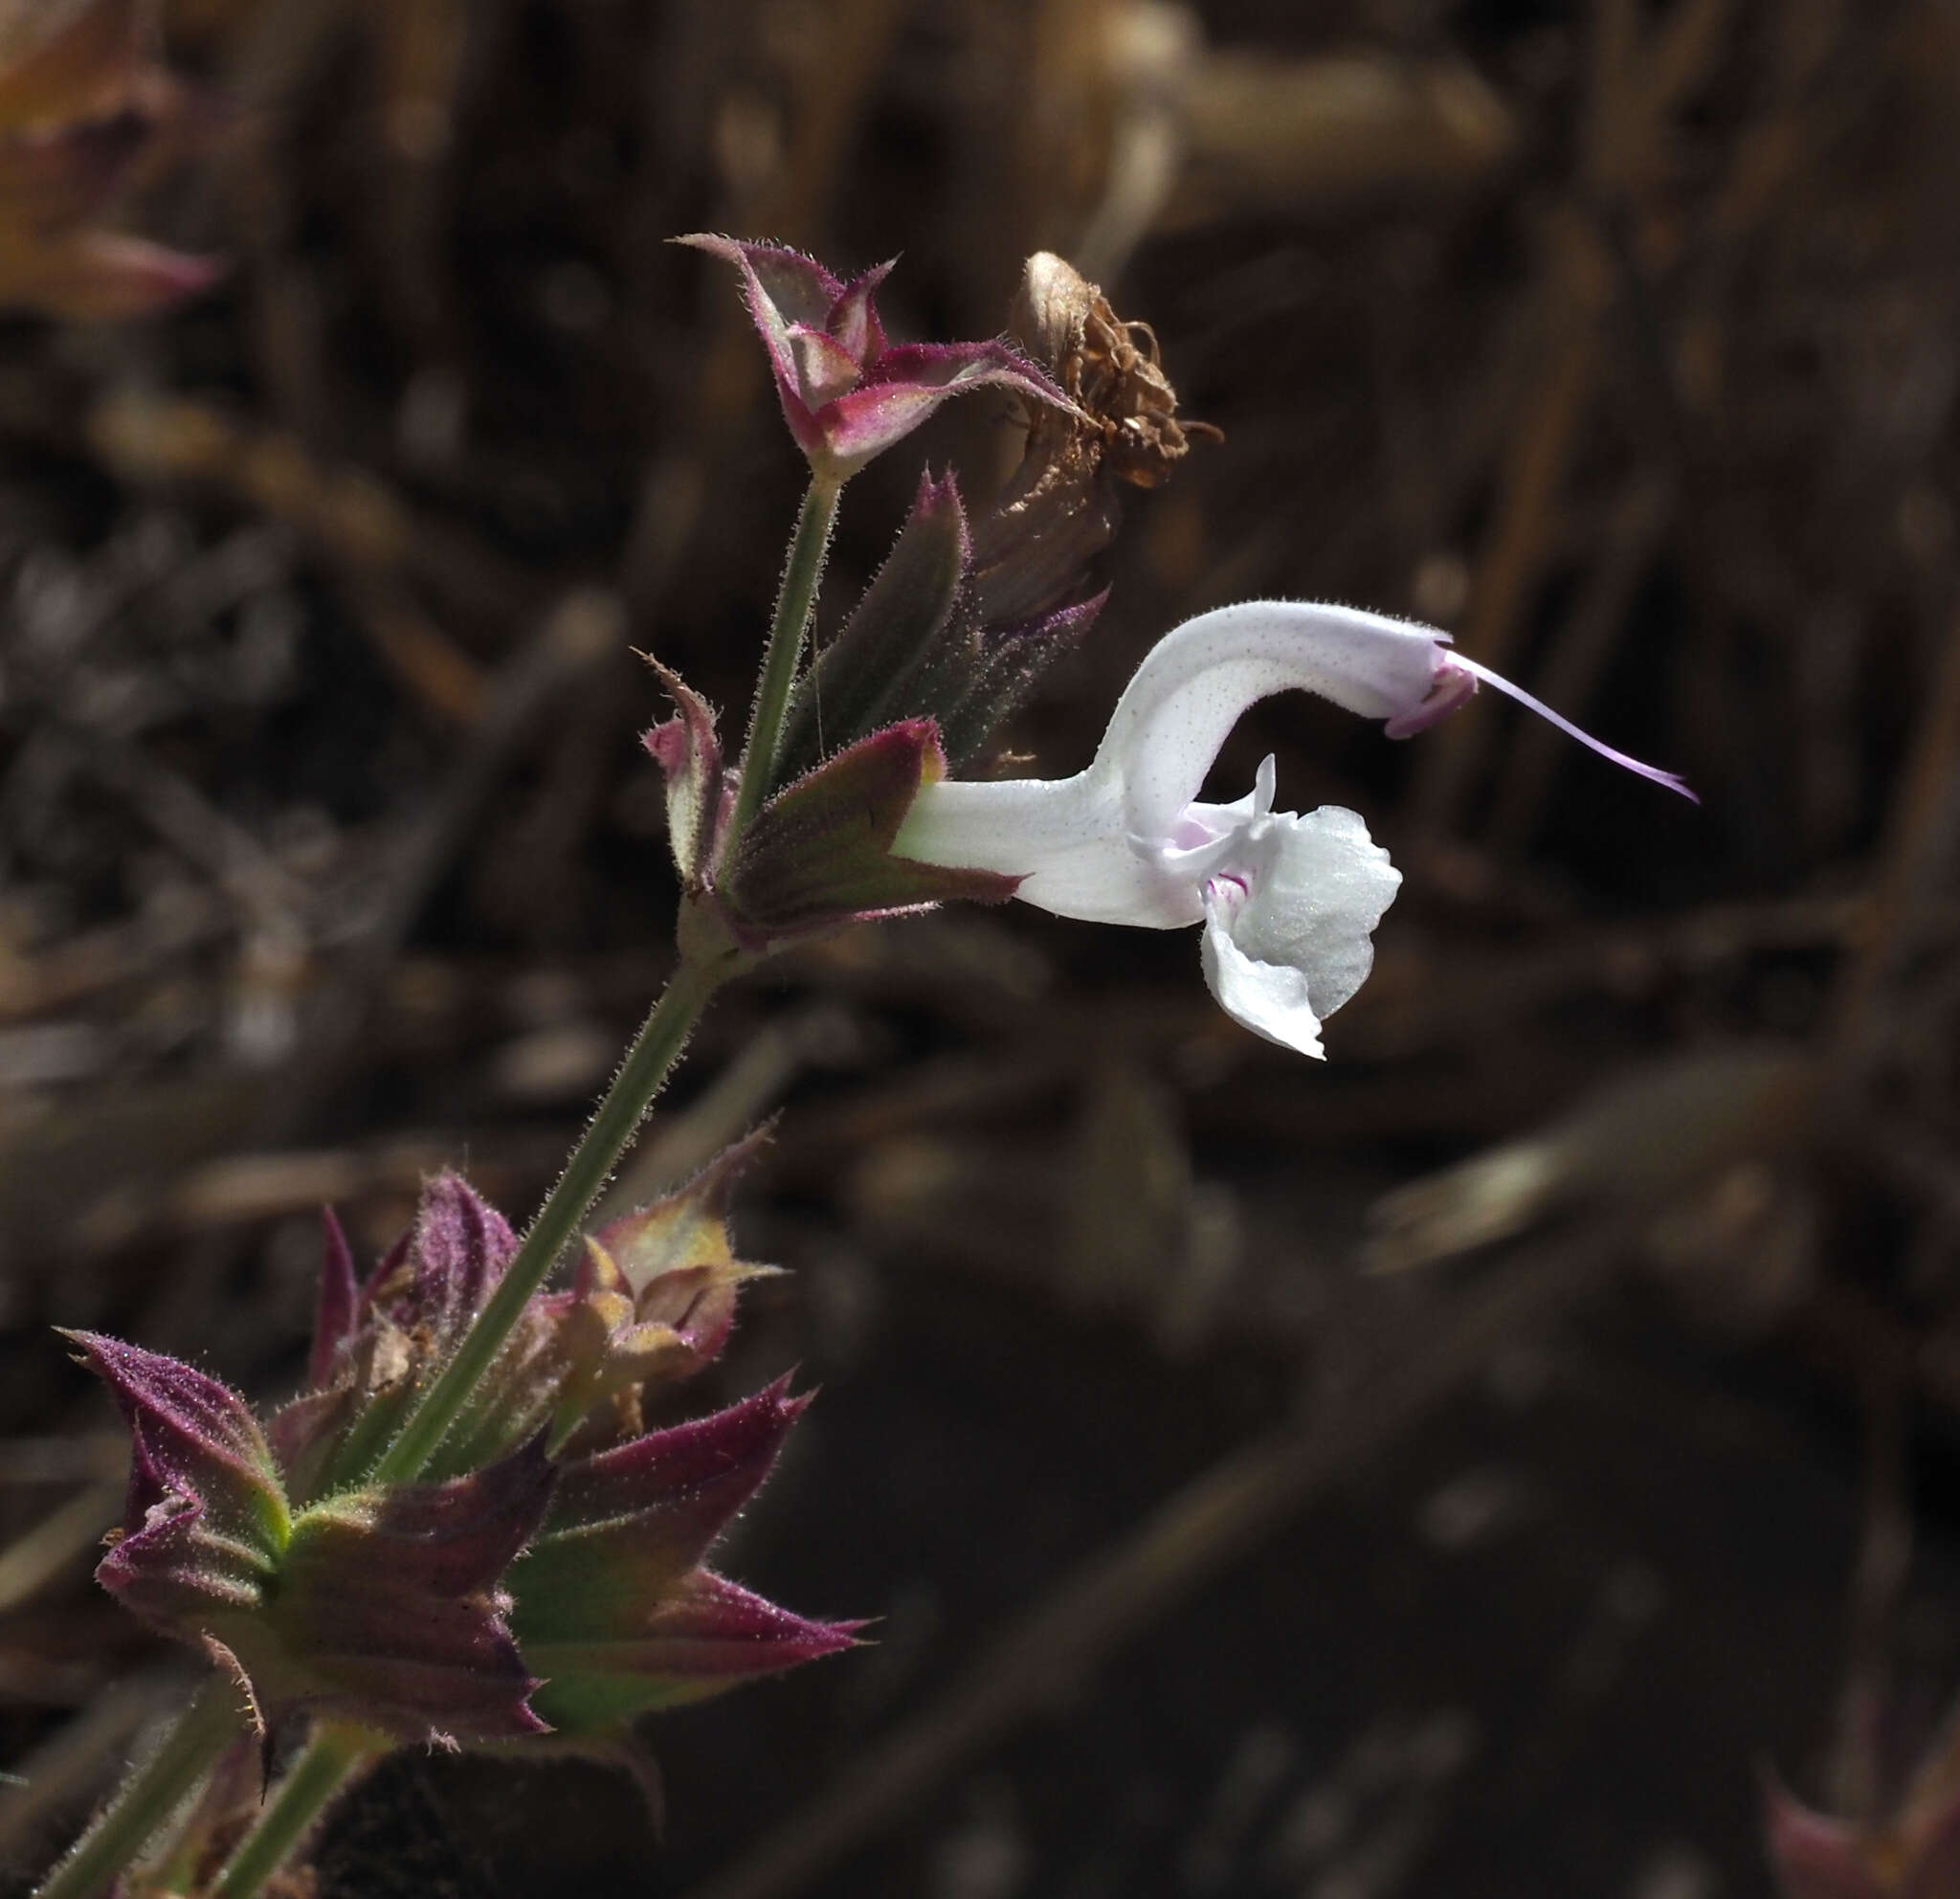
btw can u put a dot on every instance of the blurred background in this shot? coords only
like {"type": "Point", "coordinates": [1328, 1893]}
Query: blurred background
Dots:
{"type": "Point", "coordinates": [1464, 1467]}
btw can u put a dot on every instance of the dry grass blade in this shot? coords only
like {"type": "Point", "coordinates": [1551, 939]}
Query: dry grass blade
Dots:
{"type": "Point", "coordinates": [45, 1552]}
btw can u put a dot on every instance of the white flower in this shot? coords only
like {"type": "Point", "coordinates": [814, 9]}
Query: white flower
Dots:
{"type": "Point", "coordinates": [1288, 902]}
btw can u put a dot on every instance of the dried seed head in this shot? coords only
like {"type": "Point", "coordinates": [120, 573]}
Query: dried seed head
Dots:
{"type": "Point", "coordinates": [1062, 507]}
{"type": "Point", "coordinates": [1067, 323]}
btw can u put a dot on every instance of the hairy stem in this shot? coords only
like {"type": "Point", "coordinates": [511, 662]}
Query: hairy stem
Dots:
{"type": "Point", "coordinates": [607, 1134]}
{"type": "Point", "coordinates": [795, 605]}
{"type": "Point", "coordinates": [211, 1721]}
{"type": "Point", "coordinates": [658, 1047]}
{"type": "Point", "coordinates": [328, 1762]}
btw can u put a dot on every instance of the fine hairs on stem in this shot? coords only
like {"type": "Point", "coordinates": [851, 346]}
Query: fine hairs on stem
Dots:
{"type": "Point", "coordinates": [154, 1790]}
{"type": "Point", "coordinates": [335, 1753]}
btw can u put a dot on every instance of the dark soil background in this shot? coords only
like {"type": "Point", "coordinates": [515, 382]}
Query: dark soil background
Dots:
{"type": "Point", "coordinates": [1459, 1469]}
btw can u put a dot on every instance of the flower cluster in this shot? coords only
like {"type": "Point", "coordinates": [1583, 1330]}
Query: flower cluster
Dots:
{"type": "Point", "coordinates": [548, 1576]}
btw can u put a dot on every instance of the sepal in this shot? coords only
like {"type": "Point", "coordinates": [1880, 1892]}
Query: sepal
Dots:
{"type": "Point", "coordinates": [700, 791]}
{"type": "Point", "coordinates": [611, 1607]}
{"type": "Point", "coordinates": [337, 1301]}
{"type": "Point", "coordinates": [387, 1609]}
{"type": "Point", "coordinates": [391, 1606]}
{"type": "Point", "coordinates": [380, 1356]}
{"type": "Point", "coordinates": [677, 1250]}
{"type": "Point", "coordinates": [863, 679]}
{"type": "Point", "coordinates": [641, 1515]}
{"type": "Point", "coordinates": [973, 688]}
{"type": "Point", "coordinates": [461, 1248]}
{"type": "Point", "coordinates": [652, 1302]}
{"type": "Point", "coordinates": [819, 853]}
{"type": "Point", "coordinates": [205, 1523]}
{"type": "Point", "coordinates": [710, 1635]}
{"type": "Point", "coordinates": [847, 394]}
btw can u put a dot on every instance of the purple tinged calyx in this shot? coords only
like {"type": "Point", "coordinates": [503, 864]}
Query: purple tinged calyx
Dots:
{"type": "Point", "coordinates": [847, 394]}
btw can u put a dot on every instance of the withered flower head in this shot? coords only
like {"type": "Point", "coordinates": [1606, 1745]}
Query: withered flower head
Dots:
{"type": "Point", "coordinates": [1066, 323]}
{"type": "Point", "coordinates": [1063, 505]}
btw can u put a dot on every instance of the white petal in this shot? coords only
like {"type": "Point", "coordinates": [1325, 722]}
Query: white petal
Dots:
{"type": "Point", "coordinates": [1268, 998]}
{"type": "Point", "coordinates": [1104, 845]}
{"type": "Point", "coordinates": [1319, 886]}
{"type": "Point", "coordinates": [1198, 680]}
{"type": "Point", "coordinates": [1063, 837]}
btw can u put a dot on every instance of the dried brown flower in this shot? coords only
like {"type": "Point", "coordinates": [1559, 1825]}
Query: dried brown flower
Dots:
{"type": "Point", "coordinates": [1061, 506]}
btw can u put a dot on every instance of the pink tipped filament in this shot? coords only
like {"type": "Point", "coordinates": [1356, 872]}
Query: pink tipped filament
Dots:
{"type": "Point", "coordinates": [1447, 694]}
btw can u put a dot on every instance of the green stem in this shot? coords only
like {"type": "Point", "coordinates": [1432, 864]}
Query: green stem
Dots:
{"type": "Point", "coordinates": [325, 1765]}
{"type": "Point", "coordinates": [149, 1795]}
{"type": "Point", "coordinates": [607, 1134]}
{"type": "Point", "coordinates": [659, 1043]}
{"type": "Point", "coordinates": [793, 608]}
